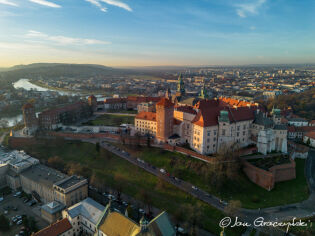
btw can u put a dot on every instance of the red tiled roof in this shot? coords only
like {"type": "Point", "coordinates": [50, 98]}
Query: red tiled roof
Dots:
{"type": "Point", "coordinates": [186, 109]}
{"type": "Point", "coordinates": [140, 99]}
{"type": "Point", "coordinates": [177, 122]}
{"type": "Point", "coordinates": [165, 103]}
{"type": "Point", "coordinates": [291, 129]}
{"type": "Point", "coordinates": [146, 116]}
{"type": "Point", "coordinates": [305, 128]}
{"type": "Point", "coordinates": [311, 134]}
{"type": "Point", "coordinates": [209, 112]}
{"type": "Point", "coordinates": [55, 229]}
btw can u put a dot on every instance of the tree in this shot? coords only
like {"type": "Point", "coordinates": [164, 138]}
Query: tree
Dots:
{"type": "Point", "coordinates": [308, 142]}
{"type": "Point", "coordinates": [118, 181]}
{"type": "Point", "coordinates": [233, 207]}
{"type": "Point", "coordinates": [97, 147]}
{"type": "Point", "coordinates": [56, 162]}
{"type": "Point", "coordinates": [145, 197]}
{"type": "Point", "coordinates": [4, 223]}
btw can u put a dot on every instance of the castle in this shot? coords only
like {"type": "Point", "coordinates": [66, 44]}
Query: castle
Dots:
{"type": "Point", "coordinates": [207, 125]}
{"type": "Point", "coordinates": [52, 118]}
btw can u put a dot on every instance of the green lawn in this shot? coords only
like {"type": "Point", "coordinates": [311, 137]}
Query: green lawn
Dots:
{"type": "Point", "coordinates": [250, 194]}
{"type": "Point", "coordinates": [132, 180]}
{"type": "Point", "coordinates": [112, 120]}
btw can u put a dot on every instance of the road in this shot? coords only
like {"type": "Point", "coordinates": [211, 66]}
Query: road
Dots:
{"type": "Point", "coordinates": [278, 213]}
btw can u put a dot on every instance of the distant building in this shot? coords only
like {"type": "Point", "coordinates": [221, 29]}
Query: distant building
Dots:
{"type": "Point", "coordinates": [53, 118]}
{"type": "Point", "coordinates": [309, 138]}
{"type": "Point", "coordinates": [92, 101]}
{"type": "Point", "coordinates": [146, 107]}
{"type": "Point", "coordinates": [297, 121]}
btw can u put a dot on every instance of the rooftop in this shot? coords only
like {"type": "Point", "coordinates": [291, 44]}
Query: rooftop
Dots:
{"type": "Point", "coordinates": [69, 182]}
{"type": "Point", "coordinates": [53, 207]}
{"type": "Point", "coordinates": [55, 229]}
{"type": "Point", "coordinates": [88, 208]}
{"type": "Point", "coordinates": [43, 174]}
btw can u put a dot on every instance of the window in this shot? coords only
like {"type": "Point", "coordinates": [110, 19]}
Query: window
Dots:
{"type": "Point", "coordinates": [223, 131]}
{"type": "Point", "coordinates": [238, 128]}
{"type": "Point", "coordinates": [208, 140]}
{"type": "Point", "coordinates": [209, 132]}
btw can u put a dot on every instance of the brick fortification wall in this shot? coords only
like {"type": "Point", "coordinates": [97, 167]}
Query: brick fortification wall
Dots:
{"type": "Point", "coordinates": [284, 172]}
{"type": "Point", "coordinates": [17, 142]}
{"type": "Point", "coordinates": [188, 152]}
{"type": "Point", "coordinates": [267, 179]}
{"type": "Point", "coordinates": [259, 176]}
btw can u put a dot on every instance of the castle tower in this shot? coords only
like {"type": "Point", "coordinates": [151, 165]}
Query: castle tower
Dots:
{"type": "Point", "coordinates": [30, 120]}
{"type": "Point", "coordinates": [92, 102]}
{"type": "Point", "coordinates": [29, 115]}
{"type": "Point", "coordinates": [164, 117]}
{"type": "Point", "coordinates": [180, 86]}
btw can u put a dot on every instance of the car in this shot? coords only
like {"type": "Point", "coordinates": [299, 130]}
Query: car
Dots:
{"type": "Point", "coordinates": [19, 222]}
{"type": "Point", "coordinates": [31, 203]}
{"type": "Point", "coordinates": [14, 219]}
{"type": "Point", "coordinates": [115, 209]}
{"type": "Point", "coordinates": [162, 171]}
{"type": "Point", "coordinates": [194, 187]}
{"type": "Point", "coordinates": [1, 199]}
{"type": "Point", "coordinates": [141, 210]}
{"type": "Point", "coordinates": [18, 217]}
{"type": "Point", "coordinates": [26, 200]}
{"type": "Point", "coordinates": [6, 212]}
{"type": "Point", "coordinates": [14, 208]}
{"type": "Point", "coordinates": [125, 203]}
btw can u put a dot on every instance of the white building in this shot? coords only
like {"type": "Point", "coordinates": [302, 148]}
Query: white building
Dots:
{"type": "Point", "coordinates": [84, 216]}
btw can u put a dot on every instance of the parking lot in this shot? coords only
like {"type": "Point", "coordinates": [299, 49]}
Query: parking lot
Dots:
{"type": "Point", "coordinates": [14, 208]}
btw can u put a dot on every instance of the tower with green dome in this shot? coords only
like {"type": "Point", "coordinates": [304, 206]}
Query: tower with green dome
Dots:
{"type": "Point", "coordinates": [181, 85]}
{"type": "Point", "coordinates": [204, 93]}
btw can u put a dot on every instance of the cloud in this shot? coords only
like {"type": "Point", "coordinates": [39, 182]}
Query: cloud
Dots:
{"type": "Point", "coordinates": [63, 40]}
{"type": "Point", "coordinates": [116, 3]}
{"type": "Point", "coordinates": [98, 4]}
{"type": "Point", "coordinates": [7, 2]}
{"type": "Point", "coordinates": [243, 10]}
{"type": "Point", "coordinates": [46, 3]}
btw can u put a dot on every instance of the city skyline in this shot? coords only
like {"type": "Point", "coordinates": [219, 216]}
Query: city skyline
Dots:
{"type": "Point", "coordinates": [156, 33]}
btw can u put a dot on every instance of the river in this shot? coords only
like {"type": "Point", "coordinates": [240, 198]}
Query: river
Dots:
{"type": "Point", "coordinates": [27, 85]}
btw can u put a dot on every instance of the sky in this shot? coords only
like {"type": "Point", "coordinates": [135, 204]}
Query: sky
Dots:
{"type": "Point", "coordinates": [157, 32]}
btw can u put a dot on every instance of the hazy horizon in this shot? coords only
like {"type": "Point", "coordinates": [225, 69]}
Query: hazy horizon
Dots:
{"type": "Point", "coordinates": [128, 33]}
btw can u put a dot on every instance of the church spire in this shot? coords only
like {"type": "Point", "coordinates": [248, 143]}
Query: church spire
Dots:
{"type": "Point", "coordinates": [181, 85]}
{"type": "Point", "coordinates": [203, 92]}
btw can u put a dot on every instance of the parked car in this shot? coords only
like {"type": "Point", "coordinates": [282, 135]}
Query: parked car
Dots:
{"type": "Point", "coordinates": [162, 171]}
{"type": "Point", "coordinates": [194, 187]}
{"type": "Point", "coordinates": [19, 222]}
